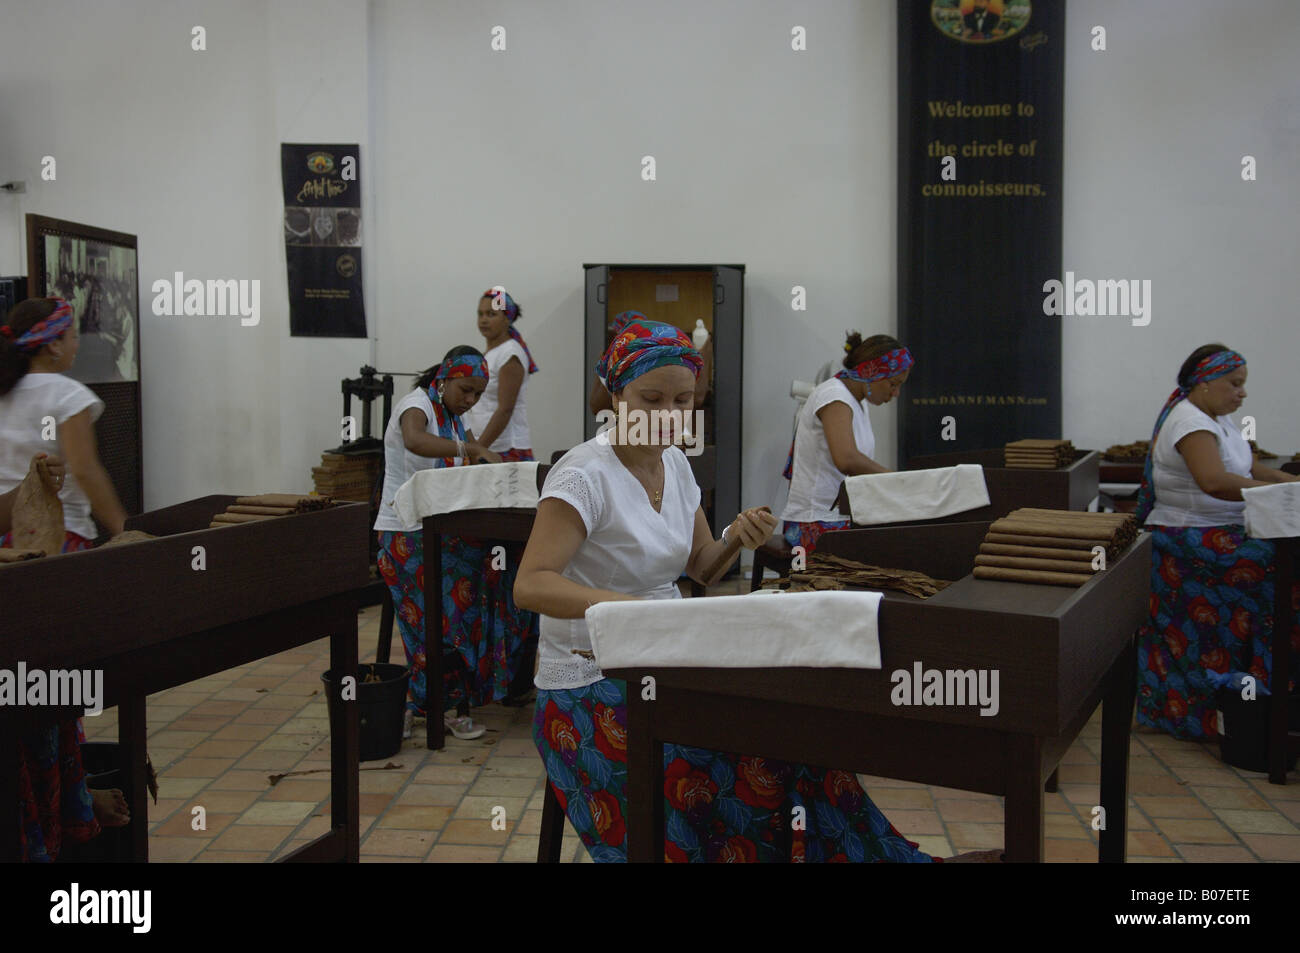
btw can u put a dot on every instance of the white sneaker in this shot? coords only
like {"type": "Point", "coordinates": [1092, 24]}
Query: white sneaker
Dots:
{"type": "Point", "coordinates": [463, 727]}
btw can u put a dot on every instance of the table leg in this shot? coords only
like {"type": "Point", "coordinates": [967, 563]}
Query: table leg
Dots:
{"type": "Point", "coordinates": [1023, 810]}
{"type": "Point", "coordinates": [433, 704]}
{"type": "Point", "coordinates": [1116, 723]}
{"type": "Point", "coordinates": [345, 748]}
{"type": "Point", "coordinates": [9, 786]}
{"type": "Point", "coordinates": [1051, 785]}
{"type": "Point", "coordinates": [1279, 700]}
{"type": "Point", "coordinates": [132, 740]}
{"type": "Point", "coordinates": [645, 781]}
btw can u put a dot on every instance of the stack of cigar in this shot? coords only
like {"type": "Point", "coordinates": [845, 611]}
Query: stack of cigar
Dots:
{"type": "Point", "coordinates": [1039, 454]}
{"type": "Point", "coordinates": [250, 509]}
{"type": "Point", "coordinates": [347, 476]}
{"type": "Point", "coordinates": [833, 572]}
{"type": "Point", "coordinates": [1051, 547]}
{"type": "Point", "coordinates": [1135, 452]}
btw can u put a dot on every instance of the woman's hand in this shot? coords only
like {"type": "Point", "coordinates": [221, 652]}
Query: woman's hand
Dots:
{"type": "Point", "coordinates": [753, 527]}
{"type": "Point", "coordinates": [478, 453]}
{"type": "Point", "coordinates": [58, 470]}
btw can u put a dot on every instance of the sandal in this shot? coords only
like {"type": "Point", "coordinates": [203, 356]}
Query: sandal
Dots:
{"type": "Point", "coordinates": [463, 727]}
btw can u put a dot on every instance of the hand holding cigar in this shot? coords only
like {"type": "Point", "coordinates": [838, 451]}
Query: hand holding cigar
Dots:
{"type": "Point", "coordinates": [751, 530]}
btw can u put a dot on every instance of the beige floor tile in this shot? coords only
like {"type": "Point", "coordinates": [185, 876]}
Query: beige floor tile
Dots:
{"type": "Point", "coordinates": [902, 798]}
{"type": "Point", "coordinates": [222, 802]}
{"type": "Point", "coordinates": [1278, 792]}
{"type": "Point", "coordinates": [1066, 826]}
{"type": "Point", "coordinates": [521, 850]}
{"type": "Point", "coordinates": [447, 774]}
{"type": "Point", "coordinates": [171, 738]}
{"type": "Point", "coordinates": [222, 749]}
{"type": "Point", "coordinates": [475, 831]}
{"type": "Point", "coordinates": [1184, 831]}
{"type": "Point", "coordinates": [1273, 846]}
{"type": "Point", "coordinates": [173, 787]}
{"type": "Point", "coordinates": [968, 809]}
{"type": "Point", "coordinates": [244, 733]}
{"type": "Point", "coordinates": [871, 782]}
{"type": "Point", "coordinates": [302, 744]}
{"type": "Point", "coordinates": [1256, 822]}
{"type": "Point", "coordinates": [1205, 854]}
{"type": "Point", "coordinates": [1242, 799]}
{"type": "Point", "coordinates": [251, 837]}
{"type": "Point", "coordinates": [462, 854]}
{"type": "Point", "coordinates": [233, 857]}
{"type": "Point", "coordinates": [933, 844]}
{"type": "Point", "coordinates": [277, 813]}
{"type": "Point", "coordinates": [175, 850]}
{"type": "Point", "coordinates": [1210, 777]}
{"type": "Point", "coordinates": [911, 823]}
{"type": "Point", "coordinates": [1157, 807]}
{"type": "Point", "coordinates": [204, 723]}
{"type": "Point", "coordinates": [373, 803]}
{"type": "Point", "coordinates": [440, 794]}
{"type": "Point", "coordinates": [1288, 809]}
{"type": "Point", "coordinates": [503, 787]}
{"type": "Point", "coordinates": [426, 818]}
{"type": "Point", "coordinates": [300, 789]}
{"type": "Point", "coordinates": [967, 835]}
{"type": "Point", "coordinates": [240, 781]}
{"type": "Point", "coordinates": [398, 843]}
{"type": "Point", "coordinates": [1148, 844]}
{"type": "Point", "coordinates": [200, 767]}
{"type": "Point", "coordinates": [1078, 774]}
{"type": "Point", "coordinates": [486, 807]}
{"type": "Point", "coordinates": [1062, 851]}
{"type": "Point", "coordinates": [1163, 784]}
{"type": "Point", "coordinates": [270, 761]}
{"type": "Point", "coordinates": [181, 824]}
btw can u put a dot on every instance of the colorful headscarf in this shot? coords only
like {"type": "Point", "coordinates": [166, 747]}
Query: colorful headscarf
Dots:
{"type": "Point", "coordinates": [1209, 368]}
{"type": "Point", "coordinates": [624, 318]}
{"type": "Point", "coordinates": [512, 312]}
{"type": "Point", "coordinates": [450, 425]}
{"type": "Point", "coordinates": [44, 331]}
{"type": "Point", "coordinates": [642, 347]}
{"type": "Point", "coordinates": [887, 365]}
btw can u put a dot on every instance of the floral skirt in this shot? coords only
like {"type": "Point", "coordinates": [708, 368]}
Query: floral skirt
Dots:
{"type": "Point", "coordinates": [717, 807]}
{"type": "Point", "coordinates": [1211, 611]}
{"type": "Point", "coordinates": [807, 534]}
{"type": "Point", "coordinates": [54, 806]}
{"type": "Point", "coordinates": [516, 455]}
{"type": "Point", "coordinates": [484, 633]}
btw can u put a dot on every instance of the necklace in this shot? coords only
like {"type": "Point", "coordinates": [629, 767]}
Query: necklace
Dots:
{"type": "Point", "coordinates": [658, 494]}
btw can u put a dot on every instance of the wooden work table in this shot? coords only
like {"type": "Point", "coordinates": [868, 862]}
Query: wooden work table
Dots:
{"type": "Point", "coordinates": [150, 620]}
{"type": "Point", "coordinates": [1059, 652]}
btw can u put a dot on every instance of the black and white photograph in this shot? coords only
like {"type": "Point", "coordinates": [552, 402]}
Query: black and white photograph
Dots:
{"type": "Point", "coordinates": [99, 281]}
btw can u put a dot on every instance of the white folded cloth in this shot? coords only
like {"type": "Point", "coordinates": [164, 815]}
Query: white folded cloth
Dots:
{"type": "Point", "coordinates": [916, 494]}
{"type": "Point", "coordinates": [1273, 511]}
{"type": "Point", "coordinates": [795, 629]}
{"type": "Point", "coordinates": [482, 486]}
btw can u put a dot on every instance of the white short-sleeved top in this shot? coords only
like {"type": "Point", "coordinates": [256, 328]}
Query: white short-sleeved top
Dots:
{"type": "Point", "coordinates": [814, 478]}
{"type": "Point", "coordinates": [1179, 500]}
{"type": "Point", "coordinates": [515, 435]}
{"type": "Point", "coordinates": [629, 547]}
{"type": "Point", "coordinates": [399, 463]}
{"type": "Point", "coordinates": [35, 397]}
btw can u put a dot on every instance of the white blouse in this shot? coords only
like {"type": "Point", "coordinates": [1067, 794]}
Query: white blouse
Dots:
{"type": "Point", "coordinates": [814, 478]}
{"type": "Point", "coordinates": [629, 548]}
{"type": "Point", "coordinates": [1180, 501]}
{"type": "Point", "coordinates": [515, 435]}
{"type": "Point", "coordinates": [401, 464]}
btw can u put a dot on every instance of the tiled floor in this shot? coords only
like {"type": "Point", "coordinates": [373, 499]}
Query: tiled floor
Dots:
{"type": "Point", "coordinates": [217, 742]}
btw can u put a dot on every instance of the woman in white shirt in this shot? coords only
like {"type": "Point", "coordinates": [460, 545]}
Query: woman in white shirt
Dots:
{"type": "Point", "coordinates": [621, 522]}
{"type": "Point", "coordinates": [1211, 584]}
{"type": "Point", "coordinates": [833, 437]}
{"type": "Point", "coordinates": [42, 412]}
{"type": "Point", "coordinates": [500, 418]}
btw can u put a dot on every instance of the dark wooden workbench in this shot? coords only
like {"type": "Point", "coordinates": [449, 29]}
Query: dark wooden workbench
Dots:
{"type": "Point", "coordinates": [150, 621]}
{"type": "Point", "coordinates": [1059, 652]}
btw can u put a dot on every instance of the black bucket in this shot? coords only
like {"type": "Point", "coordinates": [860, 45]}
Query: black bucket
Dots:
{"type": "Point", "coordinates": [102, 763]}
{"type": "Point", "coordinates": [380, 704]}
{"type": "Point", "coordinates": [1243, 729]}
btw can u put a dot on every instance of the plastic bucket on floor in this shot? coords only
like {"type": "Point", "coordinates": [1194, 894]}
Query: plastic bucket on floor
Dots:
{"type": "Point", "coordinates": [380, 707]}
{"type": "Point", "coordinates": [1243, 729]}
{"type": "Point", "coordinates": [102, 763]}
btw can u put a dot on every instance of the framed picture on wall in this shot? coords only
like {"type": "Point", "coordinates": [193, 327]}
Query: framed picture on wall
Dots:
{"type": "Point", "coordinates": [95, 270]}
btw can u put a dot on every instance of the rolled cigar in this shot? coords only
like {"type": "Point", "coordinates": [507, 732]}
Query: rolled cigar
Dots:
{"type": "Point", "coordinates": [292, 500]}
{"type": "Point", "coordinates": [239, 518]}
{"type": "Point", "coordinates": [1040, 552]}
{"type": "Point", "coordinates": [261, 510]}
{"type": "Point", "coordinates": [1057, 542]}
{"type": "Point", "coordinates": [1075, 514]}
{"type": "Point", "coordinates": [1062, 529]}
{"type": "Point", "coordinates": [728, 554]}
{"type": "Point", "coordinates": [1024, 562]}
{"type": "Point", "coordinates": [1017, 465]}
{"type": "Point", "coordinates": [1030, 575]}
{"type": "Point", "coordinates": [1035, 442]}
{"type": "Point", "coordinates": [216, 525]}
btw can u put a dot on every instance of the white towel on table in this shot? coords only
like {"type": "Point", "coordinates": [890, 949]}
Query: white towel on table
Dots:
{"type": "Point", "coordinates": [916, 494]}
{"type": "Point", "coordinates": [1273, 511]}
{"type": "Point", "coordinates": [484, 486]}
{"type": "Point", "coordinates": [794, 629]}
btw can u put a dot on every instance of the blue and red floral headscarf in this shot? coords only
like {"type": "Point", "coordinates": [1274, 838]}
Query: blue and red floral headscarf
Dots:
{"type": "Point", "coordinates": [503, 302]}
{"type": "Point", "coordinates": [624, 318]}
{"type": "Point", "coordinates": [887, 365]}
{"type": "Point", "coordinates": [43, 331]}
{"type": "Point", "coordinates": [450, 425]}
{"type": "Point", "coordinates": [642, 347]}
{"type": "Point", "coordinates": [1210, 367]}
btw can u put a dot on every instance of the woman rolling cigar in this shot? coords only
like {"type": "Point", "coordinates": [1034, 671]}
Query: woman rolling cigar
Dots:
{"type": "Point", "coordinates": [1211, 584]}
{"type": "Point", "coordinates": [620, 522]}
{"type": "Point", "coordinates": [833, 437]}
{"type": "Point", "coordinates": [482, 630]}
{"type": "Point", "coordinates": [500, 418]}
{"type": "Point", "coordinates": [38, 343]}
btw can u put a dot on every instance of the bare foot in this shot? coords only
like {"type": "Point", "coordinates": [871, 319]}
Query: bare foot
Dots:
{"type": "Point", "coordinates": [110, 808]}
{"type": "Point", "coordinates": [977, 857]}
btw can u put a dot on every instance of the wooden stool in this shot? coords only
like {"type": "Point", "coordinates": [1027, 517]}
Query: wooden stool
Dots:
{"type": "Point", "coordinates": [775, 554]}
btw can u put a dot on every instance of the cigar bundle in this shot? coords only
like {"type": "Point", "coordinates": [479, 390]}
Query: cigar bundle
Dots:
{"type": "Point", "coordinates": [1135, 452]}
{"type": "Point", "coordinates": [1051, 547]}
{"type": "Point", "coordinates": [250, 509]}
{"type": "Point", "coordinates": [1039, 454]}
{"type": "Point", "coordinates": [834, 572]}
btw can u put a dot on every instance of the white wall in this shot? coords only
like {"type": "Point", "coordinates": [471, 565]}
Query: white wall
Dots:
{"type": "Point", "coordinates": [518, 167]}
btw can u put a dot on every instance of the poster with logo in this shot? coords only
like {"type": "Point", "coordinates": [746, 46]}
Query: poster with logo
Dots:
{"type": "Point", "coordinates": [981, 119]}
{"type": "Point", "coordinates": [322, 239]}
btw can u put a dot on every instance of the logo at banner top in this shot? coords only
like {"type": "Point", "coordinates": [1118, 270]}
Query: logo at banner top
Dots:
{"type": "Point", "coordinates": [322, 163]}
{"type": "Point", "coordinates": [979, 21]}
{"type": "Point", "coordinates": [346, 265]}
